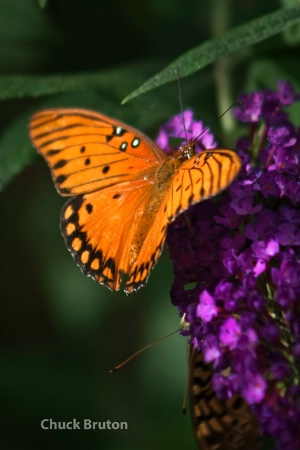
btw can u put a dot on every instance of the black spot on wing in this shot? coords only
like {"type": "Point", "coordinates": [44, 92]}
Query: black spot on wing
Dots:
{"type": "Point", "coordinates": [135, 142]}
{"type": "Point", "coordinates": [64, 191]}
{"type": "Point", "coordinates": [123, 146]}
{"type": "Point", "coordinates": [140, 274]}
{"type": "Point", "coordinates": [61, 163]}
{"type": "Point", "coordinates": [119, 131]}
{"type": "Point", "coordinates": [53, 152]}
{"type": "Point", "coordinates": [178, 210]}
{"type": "Point", "coordinates": [89, 208]}
{"type": "Point", "coordinates": [91, 261]}
{"type": "Point", "coordinates": [60, 179]}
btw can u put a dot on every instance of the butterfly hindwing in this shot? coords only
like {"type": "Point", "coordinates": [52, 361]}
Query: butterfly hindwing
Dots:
{"type": "Point", "coordinates": [110, 234]}
{"type": "Point", "coordinates": [87, 151]}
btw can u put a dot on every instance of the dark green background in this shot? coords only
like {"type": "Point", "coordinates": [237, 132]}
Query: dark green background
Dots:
{"type": "Point", "coordinates": [60, 332]}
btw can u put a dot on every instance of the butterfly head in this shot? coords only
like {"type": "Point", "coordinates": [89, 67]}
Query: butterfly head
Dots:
{"type": "Point", "coordinates": [186, 151]}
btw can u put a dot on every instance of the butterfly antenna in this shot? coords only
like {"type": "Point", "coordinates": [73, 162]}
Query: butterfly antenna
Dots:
{"type": "Point", "coordinates": [180, 103]}
{"type": "Point", "coordinates": [114, 369]}
{"type": "Point", "coordinates": [238, 103]}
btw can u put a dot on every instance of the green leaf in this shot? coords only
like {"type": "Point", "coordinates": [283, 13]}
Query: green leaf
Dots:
{"type": "Point", "coordinates": [118, 79]}
{"type": "Point", "coordinates": [240, 37]}
{"type": "Point", "coordinates": [27, 35]}
{"type": "Point", "coordinates": [16, 151]}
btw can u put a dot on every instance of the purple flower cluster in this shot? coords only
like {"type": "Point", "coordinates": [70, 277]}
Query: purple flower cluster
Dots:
{"type": "Point", "coordinates": [237, 266]}
{"type": "Point", "coordinates": [185, 127]}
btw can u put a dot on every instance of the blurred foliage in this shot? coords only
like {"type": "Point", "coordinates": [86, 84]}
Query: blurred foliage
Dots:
{"type": "Point", "coordinates": [60, 332]}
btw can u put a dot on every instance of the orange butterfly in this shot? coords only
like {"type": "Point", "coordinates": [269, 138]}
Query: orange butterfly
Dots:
{"type": "Point", "coordinates": [125, 190]}
{"type": "Point", "coordinates": [219, 424]}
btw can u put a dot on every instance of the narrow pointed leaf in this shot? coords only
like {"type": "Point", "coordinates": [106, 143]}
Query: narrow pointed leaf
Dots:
{"type": "Point", "coordinates": [240, 37]}
{"type": "Point", "coordinates": [40, 85]}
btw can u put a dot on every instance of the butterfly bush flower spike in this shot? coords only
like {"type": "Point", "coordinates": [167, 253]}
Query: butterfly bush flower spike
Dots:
{"type": "Point", "coordinates": [237, 265]}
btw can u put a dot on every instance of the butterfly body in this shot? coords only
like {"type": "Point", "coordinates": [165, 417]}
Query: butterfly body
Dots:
{"type": "Point", "coordinates": [124, 190]}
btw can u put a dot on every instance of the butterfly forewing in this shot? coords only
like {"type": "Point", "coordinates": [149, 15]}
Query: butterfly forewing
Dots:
{"type": "Point", "coordinates": [201, 177]}
{"type": "Point", "coordinates": [125, 190]}
{"type": "Point", "coordinates": [219, 425]}
{"type": "Point", "coordinates": [87, 151]}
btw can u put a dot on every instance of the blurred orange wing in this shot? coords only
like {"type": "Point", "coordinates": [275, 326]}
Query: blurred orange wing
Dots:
{"type": "Point", "coordinates": [224, 425]}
